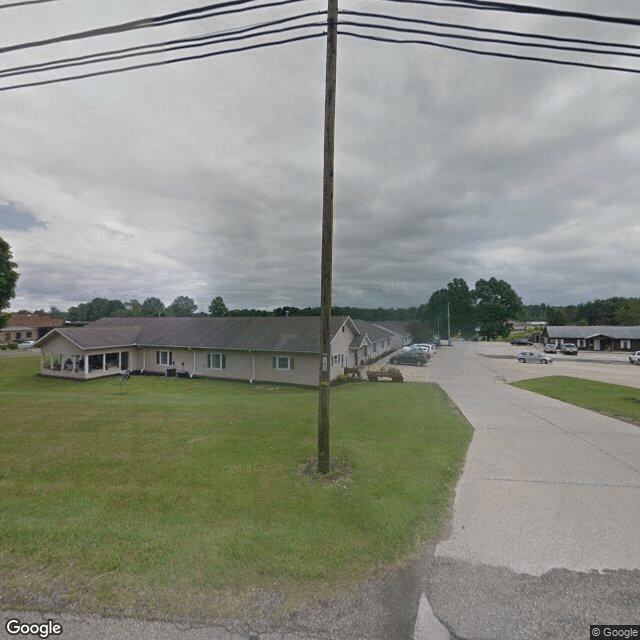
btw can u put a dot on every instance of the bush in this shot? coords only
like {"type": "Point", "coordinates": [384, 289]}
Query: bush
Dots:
{"type": "Point", "coordinates": [12, 345]}
{"type": "Point", "coordinates": [4, 347]}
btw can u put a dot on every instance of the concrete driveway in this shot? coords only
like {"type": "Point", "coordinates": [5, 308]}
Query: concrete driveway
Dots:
{"type": "Point", "coordinates": [545, 535]}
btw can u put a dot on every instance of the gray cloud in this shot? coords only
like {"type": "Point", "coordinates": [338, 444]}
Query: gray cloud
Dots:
{"type": "Point", "coordinates": [205, 178]}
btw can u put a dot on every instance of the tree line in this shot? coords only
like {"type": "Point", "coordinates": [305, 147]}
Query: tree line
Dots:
{"type": "Point", "coordinates": [184, 306]}
{"type": "Point", "coordinates": [487, 307]}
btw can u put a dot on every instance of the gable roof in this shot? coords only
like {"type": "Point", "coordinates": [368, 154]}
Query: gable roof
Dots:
{"type": "Point", "coordinates": [400, 328]}
{"type": "Point", "coordinates": [572, 331]}
{"type": "Point", "coordinates": [289, 334]}
{"type": "Point", "coordinates": [373, 331]}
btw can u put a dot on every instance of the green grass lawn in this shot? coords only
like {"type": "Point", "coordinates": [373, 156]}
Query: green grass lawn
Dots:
{"type": "Point", "coordinates": [617, 401]}
{"type": "Point", "coordinates": [171, 497]}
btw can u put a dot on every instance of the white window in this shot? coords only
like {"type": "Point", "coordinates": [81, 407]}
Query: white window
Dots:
{"type": "Point", "coordinates": [283, 363]}
{"type": "Point", "coordinates": [164, 357]}
{"type": "Point", "coordinates": [582, 343]}
{"type": "Point", "coordinates": [625, 344]}
{"type": "Point", "coordinates": [216, 361]}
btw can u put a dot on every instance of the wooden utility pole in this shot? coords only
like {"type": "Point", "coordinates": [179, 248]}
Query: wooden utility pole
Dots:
{"type": "Point", "coordinates": [324, 400]}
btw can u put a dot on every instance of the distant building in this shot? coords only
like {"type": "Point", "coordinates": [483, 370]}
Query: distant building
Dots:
{"type": "Point", "coordinates": [595, 338]}
{"type": "Point", "coordinates": [257, 349]}
{"type": "Point", "coordinates": [27, 327]}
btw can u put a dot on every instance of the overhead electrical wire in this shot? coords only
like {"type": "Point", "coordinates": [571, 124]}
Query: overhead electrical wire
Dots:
{"type": "Point", "coordinates": [558, 13]}
{"type": "Point", "coordinates": [459, 36]}
{"type": "Point", "coordinates": [498, 54]}
{"type": "Point", "coordinates": [200, 56]}
{"type": "Point", "coordinates": [234, 34]}
{"type": "Point", "coordinates": [525, 9]}
{"type": "Point", "coordinates": [10, 5]}
{"type": "Point", "coordinates": [227, 35]}
{"type": "Point", "coordinates": [521, 34]}
{"type": "Point", "coordinates": [185, 15]}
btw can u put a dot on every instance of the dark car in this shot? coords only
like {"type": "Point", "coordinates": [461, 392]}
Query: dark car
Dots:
{"type": "Point", "coordinates": [522, 341]}
{"type": "Point", "coordinates": [408, 357]}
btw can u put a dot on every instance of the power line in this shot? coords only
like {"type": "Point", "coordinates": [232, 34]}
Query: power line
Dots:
{"type": "Point", "coordinates": [24, 2]}
{"type": "Point", "coordinates": [460, 36]}
{"type": "Point", "coordinates": [490, 53]}
{"type": "Point", "coordinates": [520, 8]}
{"type": "Point", "coordinates": [521, 34]}
{"type": "Point", "coordinates": [165, 62]}
{"type": "Point", "coordinates": [228, 35]}
{"type": "Point", "coordinates": [145, 23]}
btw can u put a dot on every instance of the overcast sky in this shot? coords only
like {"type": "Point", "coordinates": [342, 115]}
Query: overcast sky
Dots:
{"type": "Point", "coordinates": [204, 178]}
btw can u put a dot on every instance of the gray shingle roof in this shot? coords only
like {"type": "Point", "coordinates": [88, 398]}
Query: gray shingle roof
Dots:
{"type": "Point", "coordinates": [292, 334]}
{"type": "Point", "coordinates": [572, 331]}
{"type": "Point", "coordinates": [374, 331]}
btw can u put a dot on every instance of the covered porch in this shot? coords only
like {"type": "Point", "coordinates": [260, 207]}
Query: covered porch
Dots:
{"type": "Point", "coordinates": [83, 366]}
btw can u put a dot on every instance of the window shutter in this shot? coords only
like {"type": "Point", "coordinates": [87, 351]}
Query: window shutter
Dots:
{"type": "Point", "coordinates": [223, 364]}
{"type": "Point", "coordinates": [275, 362]}
{"type": "Point", "coordinates": [291, 363]}
{"type": "Point", "coordinates": [157, 357]}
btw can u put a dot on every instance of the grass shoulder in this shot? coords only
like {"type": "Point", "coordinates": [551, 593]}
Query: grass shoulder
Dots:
{"type": "Point", "coordinates": [616, 401]}
{"type": "Point", "coordinates": [176, 498]}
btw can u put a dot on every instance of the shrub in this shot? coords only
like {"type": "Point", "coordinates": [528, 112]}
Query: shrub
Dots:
{"type": "Point", "coordinates": [12, 345]}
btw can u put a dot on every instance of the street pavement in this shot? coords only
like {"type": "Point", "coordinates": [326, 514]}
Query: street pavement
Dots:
{"type": "Point", "coordinates": [545, 535]}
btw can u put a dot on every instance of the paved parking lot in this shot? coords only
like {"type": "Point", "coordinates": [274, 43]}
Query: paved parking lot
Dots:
{"type": "Point", "coordinates": [499, 358]}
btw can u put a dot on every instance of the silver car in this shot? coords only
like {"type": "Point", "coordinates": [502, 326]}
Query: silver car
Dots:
{"type": "Point", "coordinates": [533, 356]}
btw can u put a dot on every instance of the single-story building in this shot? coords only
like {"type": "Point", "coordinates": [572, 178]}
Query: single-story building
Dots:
{"type": "Point", "coordinates": [372, 342]}
{"type": "Point", "coordinates": [400, 334]}
{"type": "Point", "coordinates": [595, 338]}
{"type": "Point", "coordinates": [27, 327]}
{"type": "Point", "coordinates": [264, 349]}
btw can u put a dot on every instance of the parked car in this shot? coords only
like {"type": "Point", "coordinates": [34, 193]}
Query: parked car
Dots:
{"type": "Point", "coordinates": [521, 341]}
{"type": "Point", "coordinates": [409, 357]}
{"type": "Point", "coordinates": [26, 344]}
{"type": "Point", "coordinates": [533, 356]}
{"type": "Point", "coordinates": [569, 349]}
{"type": "Point", "coordinates": [550, 348]}
{"type": "Point", "coordinates": [634, 358]}
{"type": "Point", "coordinates": [426, 351]}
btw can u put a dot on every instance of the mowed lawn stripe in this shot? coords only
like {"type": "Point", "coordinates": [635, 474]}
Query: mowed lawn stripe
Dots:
{"type": "Point", "coordinates": [614, 400]}
{"type": "Point", "coordinates": [157, 496]}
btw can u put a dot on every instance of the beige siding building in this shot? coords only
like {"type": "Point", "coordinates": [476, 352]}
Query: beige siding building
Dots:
{"type": "Point", "coordinates": [283, 350]}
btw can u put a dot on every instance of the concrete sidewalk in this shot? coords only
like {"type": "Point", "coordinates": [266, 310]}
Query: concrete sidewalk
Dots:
{"type": "Point", "coordinates": [545, 537]}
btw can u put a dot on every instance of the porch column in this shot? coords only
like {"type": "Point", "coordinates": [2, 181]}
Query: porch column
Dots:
{"type": "Point", "coordinates": [104, 361]}
{"type": "Point", "coordinates": [119, 360]}
{"type": "Point", "coordinates": [86, 364]}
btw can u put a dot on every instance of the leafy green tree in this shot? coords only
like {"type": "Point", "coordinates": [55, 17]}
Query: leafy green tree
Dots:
{"type": "Point", "coordinates": [182, 306]}
{"type": "Point", "coordinates": [419, 331]}
{"type": "Point", "coordinates": [134, 308]}
{"type": "Point", "coordinates": [96, 309]}
{"type": "Point", "coordinates": [218, 308]}
{"type": "Point", "coordinates": [555, 317]}
{"type": "Point", "coordinates": [629, 313]}
{"type": "Point", "coordinates": [457, 301]}
{"type": "Point", "coordinates": [8, 278]}
{"type": "Point", "coordinates": [495, 303]}
{"type": "Point", "coordinates": [153, 307]}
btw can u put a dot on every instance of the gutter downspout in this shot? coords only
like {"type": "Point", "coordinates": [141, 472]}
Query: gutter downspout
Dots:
{"type": "Point", "coordinates": [253, 367]}
{"type": "Point", "coordinates": [194, 360]}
